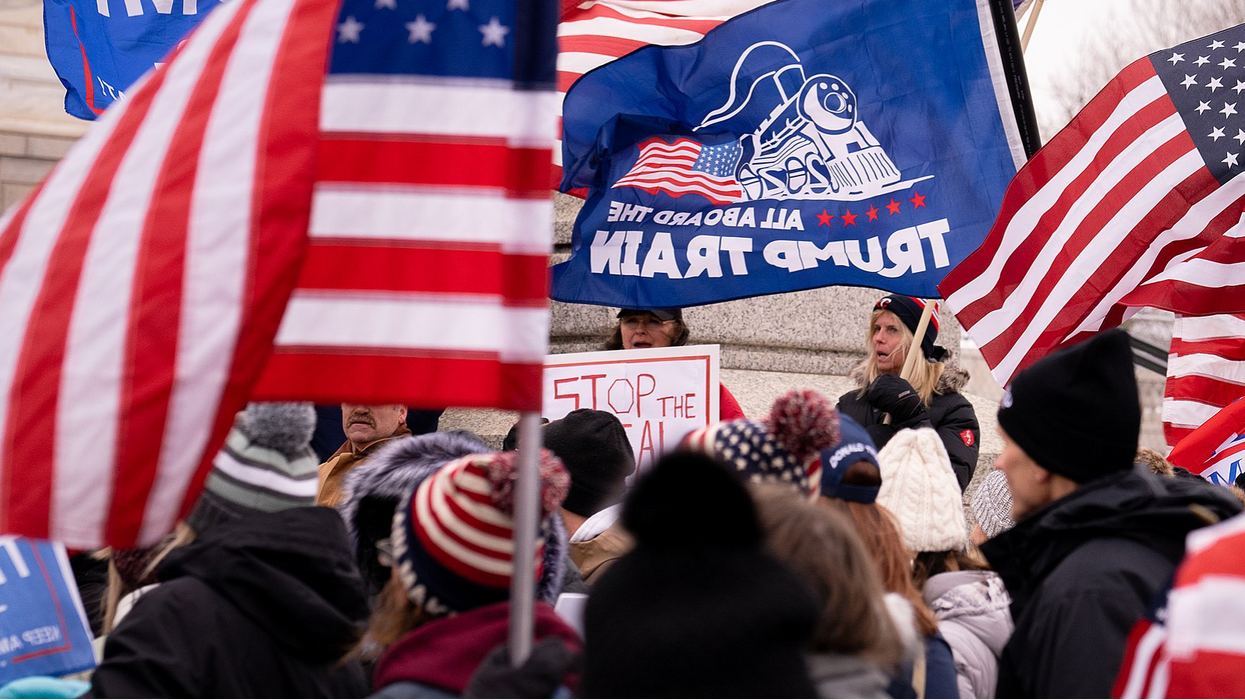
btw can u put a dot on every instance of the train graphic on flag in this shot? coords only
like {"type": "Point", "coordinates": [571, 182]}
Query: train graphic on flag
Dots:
{"type": "Point", "coordinates": [813, 145]}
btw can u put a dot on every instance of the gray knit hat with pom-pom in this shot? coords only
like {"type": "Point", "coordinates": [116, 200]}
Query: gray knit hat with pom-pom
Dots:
{"type": "Point", "coordinates": [265, 466]}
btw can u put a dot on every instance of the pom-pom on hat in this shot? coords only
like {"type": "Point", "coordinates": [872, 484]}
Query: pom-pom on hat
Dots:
{"type": "Point", "coordinates": [266, 465]}
{"type": "Point", "coordinates": [908, 310]}
{"type": "Point", "coordinates": [783, 448]}
{"type": "Point", "coordinates": [453, 533]}
{"type": "Point", "coordinates": [920, 488]}
{"type": "Point", "coordinates": [854, 446]}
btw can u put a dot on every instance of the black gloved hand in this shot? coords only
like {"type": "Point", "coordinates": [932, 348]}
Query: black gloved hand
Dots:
{"type": "Point", "coordinates": [538, 677]}
{"type": "Point", "coordinates": [890, 394]}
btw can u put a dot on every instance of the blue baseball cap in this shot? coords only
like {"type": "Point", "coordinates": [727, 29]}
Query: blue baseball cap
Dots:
{"type": "Point", "coordinates": [854, 446]}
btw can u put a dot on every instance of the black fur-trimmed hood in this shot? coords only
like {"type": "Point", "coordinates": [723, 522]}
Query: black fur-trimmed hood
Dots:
{"type": "Point", "coordinates": [372, 490]}
{"type": "Point", "coordinates": [954, 377]}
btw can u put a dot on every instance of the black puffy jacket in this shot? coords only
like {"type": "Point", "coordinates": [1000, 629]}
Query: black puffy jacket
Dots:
{"type": "Point", "coordinates": [1083, 569]}
{"type": "Point", "coordinates": [949, 413]}
{"type": "Point", "coordinates": [263, 606]}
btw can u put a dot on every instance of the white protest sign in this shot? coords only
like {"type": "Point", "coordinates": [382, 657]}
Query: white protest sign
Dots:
{"type": "Point", "coordinates": [659, 394]}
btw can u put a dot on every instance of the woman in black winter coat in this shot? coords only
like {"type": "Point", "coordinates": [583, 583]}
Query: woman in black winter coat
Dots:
{"type": "Point", "coordinates": [930, 397]}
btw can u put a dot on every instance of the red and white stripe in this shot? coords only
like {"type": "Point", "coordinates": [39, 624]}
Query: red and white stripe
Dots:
{"type": "Point", "coordinates": [1205, 371]}
{"type": "Point", "coordinates": [1198, 650]}
{"type": "Point", "coordinates": [1115, 199]}
{"type": "Point", "coordinates": [142, 283]}
{"type": "Point", "coordinates": [430, 231]}
{"type": "Point", "coordinates": [596, 32]}
{"type": "Point", "coordinates": [667, 167]}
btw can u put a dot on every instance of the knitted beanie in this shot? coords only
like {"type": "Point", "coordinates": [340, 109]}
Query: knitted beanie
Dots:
{"type": "Point", "coordinates": [992, 504]}
{"type": "Point", "coordinates": [453, 533]}
{"type": "Point", "coordinates": [265, 466]}
{"type": "Point", "coordinates": [854, 446]}
{"type": "Point", "coordinates": [908, 310]}
{"type": "Point", "coordinates": [1076, 411]}
{"type": "Point", "coordinates": [783, 448]}
{"type": "Point", "coordinates": [920, 488]}
{"type": "Point", "coordinates": [594, 448]}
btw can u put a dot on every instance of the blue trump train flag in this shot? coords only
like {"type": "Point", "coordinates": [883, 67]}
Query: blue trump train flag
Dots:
{"type": "Point", "coordinates": [803, 144]}
{"type": "Point", "coordinates": [100, 47]}
{"type": "Point", "coordinates": [43, 629]}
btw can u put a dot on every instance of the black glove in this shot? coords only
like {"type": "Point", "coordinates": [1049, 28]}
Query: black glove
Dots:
{"type": "Point", "coordinates": [890, 394]}
{"type": "Point", "coordinates": [538, 677]}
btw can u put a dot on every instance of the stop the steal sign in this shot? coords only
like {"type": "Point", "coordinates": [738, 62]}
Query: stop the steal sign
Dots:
{"type": "Point", "coordinates": [659, 394]}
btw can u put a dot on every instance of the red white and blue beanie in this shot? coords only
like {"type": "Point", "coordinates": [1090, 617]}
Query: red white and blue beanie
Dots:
{"type": "Point", "coordinates": [783, 448]}
{"type": "Point", "coordinates": [453, 533]}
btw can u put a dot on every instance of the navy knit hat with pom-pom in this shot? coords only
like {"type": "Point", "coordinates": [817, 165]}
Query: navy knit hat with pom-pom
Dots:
{"type": "Point", "coordinates": [784, 447]}
{"type": "Point", "coordinates": [453, 533]}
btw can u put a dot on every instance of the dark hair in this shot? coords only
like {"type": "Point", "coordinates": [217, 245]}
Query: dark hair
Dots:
{"type": "Point", "coordinates": [615, 341]}
{"type": "Point", "coordinates": [929, 564]}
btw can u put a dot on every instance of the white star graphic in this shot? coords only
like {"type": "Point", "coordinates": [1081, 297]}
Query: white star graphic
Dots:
{"type": "Point", "coordinates": [1176, 58]}
{"type": "Point", "coordinates": [1215, 84]}
{"type": "Point", "coordinates": [1228, 109]}
{"type": "Point", "coordinates": [421, 30]}
{"type": "Point", "coordinates": [1216, 133]}
{"type": "Point", "coordinates": [1227, 63]}
{"type": "Point", "coordinates": [386, 4]}
{"type": "Point", "coordinates": [1202, 107]}
{"type": "Point", "coordinates": [457, 5]}
{"type": "Point", "coordinates": [1240, 46]}
{"type": "Point", "coordinates": [1230, 161]}
{"type": "Point", "coordinates": [1240, 85]}
{"type": "Point", "coordinates": [349, 30]}
{"type": "Point", "coordinates": [494, 33]}
{"type": "Point", "coordinates": [1216, 44]}
{"type": "Point", "coordinates": [1201, 61]}
{"type": "Point", "coordinates": [1189, 80]}
{"type": "Point", "coordinates": [1240, 136]}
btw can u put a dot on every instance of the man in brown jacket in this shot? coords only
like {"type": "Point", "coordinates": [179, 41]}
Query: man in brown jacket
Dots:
{"type": "Point", "coordinates": [367, 429]}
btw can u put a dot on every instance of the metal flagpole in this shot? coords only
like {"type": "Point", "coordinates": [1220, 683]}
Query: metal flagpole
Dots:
{"type": "Point", "coordinates": [526, 514]}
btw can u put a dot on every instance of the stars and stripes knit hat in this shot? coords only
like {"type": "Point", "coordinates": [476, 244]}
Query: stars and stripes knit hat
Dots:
{"type": "Point", "coordinates": [266, 465]}
{"type": "Point", "coordinates": [784, 447]}
{"type": "Point", "coordinates": [453, 532]}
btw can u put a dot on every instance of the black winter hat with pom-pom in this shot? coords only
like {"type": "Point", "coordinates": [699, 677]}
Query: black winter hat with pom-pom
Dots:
{"type": "Point", "coordinates": [783, 448]}
{"type": "Point", "coordinates": [697, 609]}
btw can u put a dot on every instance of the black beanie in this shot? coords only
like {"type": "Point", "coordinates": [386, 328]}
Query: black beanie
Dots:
{"type": "Point", "coordinates": [594, 447]}
{"type": "Point", "coordinates": [1076, 412]}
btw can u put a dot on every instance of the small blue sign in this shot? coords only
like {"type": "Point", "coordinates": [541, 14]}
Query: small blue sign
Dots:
{"type": "Point", "coordinates": [43, 628]}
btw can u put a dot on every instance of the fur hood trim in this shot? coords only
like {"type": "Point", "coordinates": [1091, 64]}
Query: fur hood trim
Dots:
{"type": "Point", "coordinates": [954, 377]}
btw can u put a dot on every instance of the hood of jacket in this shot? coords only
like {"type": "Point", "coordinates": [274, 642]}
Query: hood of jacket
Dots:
{"type": "Point", "coordinates": [290, 572]}
{"type": "Point", "coordinates": [1133, 505]}
{"type": "Point", "coordinates": [445, 652]}
{"type": "Point", "coordinates": [975, 600]}
{"type": "Point", "coordinates": [953, 380]}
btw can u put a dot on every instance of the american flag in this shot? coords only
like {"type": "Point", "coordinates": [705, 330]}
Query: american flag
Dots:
{"type": "Point", "coordinates": [686, 167]}
{"type": "Point", "coordinates": [143, 283]}
{"type": "Point", "coordinates": [1216, 448]}
{"type": "Point", "coordinates": [1205, 371]}
{"type": "Point", "coordinates": [426, 278]}
{"type": "Point", "coordinates": [1144, 178]}
{"type": "Point", "coordinates": [1193, 646]}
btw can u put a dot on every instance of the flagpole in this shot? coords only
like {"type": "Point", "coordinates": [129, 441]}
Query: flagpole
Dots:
{"type": "Point", "coordinates": [526, 513]}
{"type": "Point", "coordinates": [1033, 18]}
{"type": "Point", "coordinates": [909, 360]}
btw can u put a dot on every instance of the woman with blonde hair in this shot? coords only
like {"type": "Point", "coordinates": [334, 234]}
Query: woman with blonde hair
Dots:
{"type": "Point", "coordinates": [929, 396]}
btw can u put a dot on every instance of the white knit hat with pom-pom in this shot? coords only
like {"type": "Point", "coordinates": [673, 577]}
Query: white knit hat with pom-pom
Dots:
{"type": "Point", "coordinates": [920, 488]}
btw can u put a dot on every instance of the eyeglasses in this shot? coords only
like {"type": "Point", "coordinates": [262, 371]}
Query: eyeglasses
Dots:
{"type": "Point", "coordinates": [384, 552]}
{"type": "Point", "coordinates": [633, 322]}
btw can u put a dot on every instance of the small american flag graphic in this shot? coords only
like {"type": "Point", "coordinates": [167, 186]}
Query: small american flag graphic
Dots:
{"type": "Point", "coordinates": [686, 167]}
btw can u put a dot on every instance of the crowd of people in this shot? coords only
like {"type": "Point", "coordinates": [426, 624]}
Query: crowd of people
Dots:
{"type": "Point", "coordinates": [812, 552]}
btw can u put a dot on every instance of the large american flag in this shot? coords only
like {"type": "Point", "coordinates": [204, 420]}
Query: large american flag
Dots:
{"type": "Point", "coordinates": [1146, 177]}
{"type": "Point", "coordinates": [142, 285]}
{"type": "Point", "coordinates": [686, 167]}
